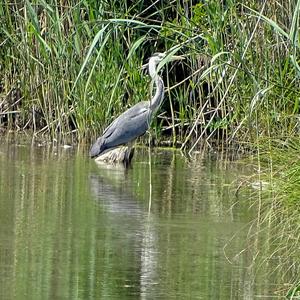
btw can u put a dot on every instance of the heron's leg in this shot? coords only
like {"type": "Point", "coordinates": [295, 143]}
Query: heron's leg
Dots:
{"type": "Point", "coordinates": [128, 154]}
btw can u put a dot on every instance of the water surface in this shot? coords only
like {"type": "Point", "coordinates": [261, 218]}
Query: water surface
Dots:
{"type": "Point", "coordinates": [71, 229]}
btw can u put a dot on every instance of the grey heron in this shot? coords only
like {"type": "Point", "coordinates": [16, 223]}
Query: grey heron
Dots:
{"type": "Point", "coordinates": [135, 121]}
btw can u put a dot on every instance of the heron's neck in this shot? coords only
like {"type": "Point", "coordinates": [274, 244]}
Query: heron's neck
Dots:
{"type": "Point", "coordinates": [152, 68]}
{"type": "Point", "coordinates": [158, 97]}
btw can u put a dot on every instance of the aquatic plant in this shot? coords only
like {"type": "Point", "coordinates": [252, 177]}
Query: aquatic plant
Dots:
{"type": "Point", "coordinates": [68, 69]}
{"type": "Point", "coordinates": [276, 229]}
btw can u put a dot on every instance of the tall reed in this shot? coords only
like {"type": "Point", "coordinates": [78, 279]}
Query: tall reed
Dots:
{"type": "Point", "coordinates": [68, 69]}
{"type": "Point", "coordinates": [278, 226]}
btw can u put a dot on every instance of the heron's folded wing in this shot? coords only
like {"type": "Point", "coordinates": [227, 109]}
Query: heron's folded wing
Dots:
{"type": "Point", "coordinates": [128, 128]}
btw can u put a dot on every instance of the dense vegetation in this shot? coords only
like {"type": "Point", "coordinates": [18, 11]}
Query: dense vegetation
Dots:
{"type": "Point", "coordinates": [68, 68]}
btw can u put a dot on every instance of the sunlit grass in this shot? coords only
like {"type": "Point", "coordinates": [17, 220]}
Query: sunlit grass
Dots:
{"type": "Point", "coordinates": [276, 193]}
{"type": "Point", "coordinates": [69, 70]}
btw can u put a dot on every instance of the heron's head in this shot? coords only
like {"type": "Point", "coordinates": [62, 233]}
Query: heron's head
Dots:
{"type": "Point", "coordinates": [156, 58]}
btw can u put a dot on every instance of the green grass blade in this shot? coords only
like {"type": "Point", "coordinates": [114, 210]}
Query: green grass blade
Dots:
{"type": "Point", "coordinates": [296, 65]}
{"type": "Point", "coordinates": [295, 26]}
{"type": "Point", "coordinates": [136, 45]}
{"type": "Point", "coordinates": [134, 22]}
{"type": "Point", "coordinates": [273, 24]}
{"type": "Point", "coordinates": [36, 26]}
{"type": "Point", "coordinates": [97, 37]}
{"type": "Point", "coordinates": [33, 17]}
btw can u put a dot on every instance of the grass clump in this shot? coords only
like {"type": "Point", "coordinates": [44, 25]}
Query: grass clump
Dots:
{"type": "Point", "coordinates": [275, 233]}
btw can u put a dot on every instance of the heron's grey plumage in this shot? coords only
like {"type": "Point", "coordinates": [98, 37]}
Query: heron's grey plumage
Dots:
{"type": "Point", "coordinates": [128, 126]}
{"type": "Point", "coordinates": [135, 121]}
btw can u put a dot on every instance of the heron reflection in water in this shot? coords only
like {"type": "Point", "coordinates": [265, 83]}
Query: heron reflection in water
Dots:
{"type": "Point", "coordinates": [116, 142]}
{"type": "Point", "coordinates": [126, 215]}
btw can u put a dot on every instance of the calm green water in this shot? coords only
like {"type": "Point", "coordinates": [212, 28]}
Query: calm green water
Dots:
{"type": "Point", "coordinates": [70, 229]}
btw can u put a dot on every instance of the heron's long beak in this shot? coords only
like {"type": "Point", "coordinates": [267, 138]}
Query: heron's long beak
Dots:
{"type": "Point", "coordinates": [173, 57]}
{"type": "Point", "coordinates": [177, 57]}
{"type": "Point", "coordinates": [145, 66]}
